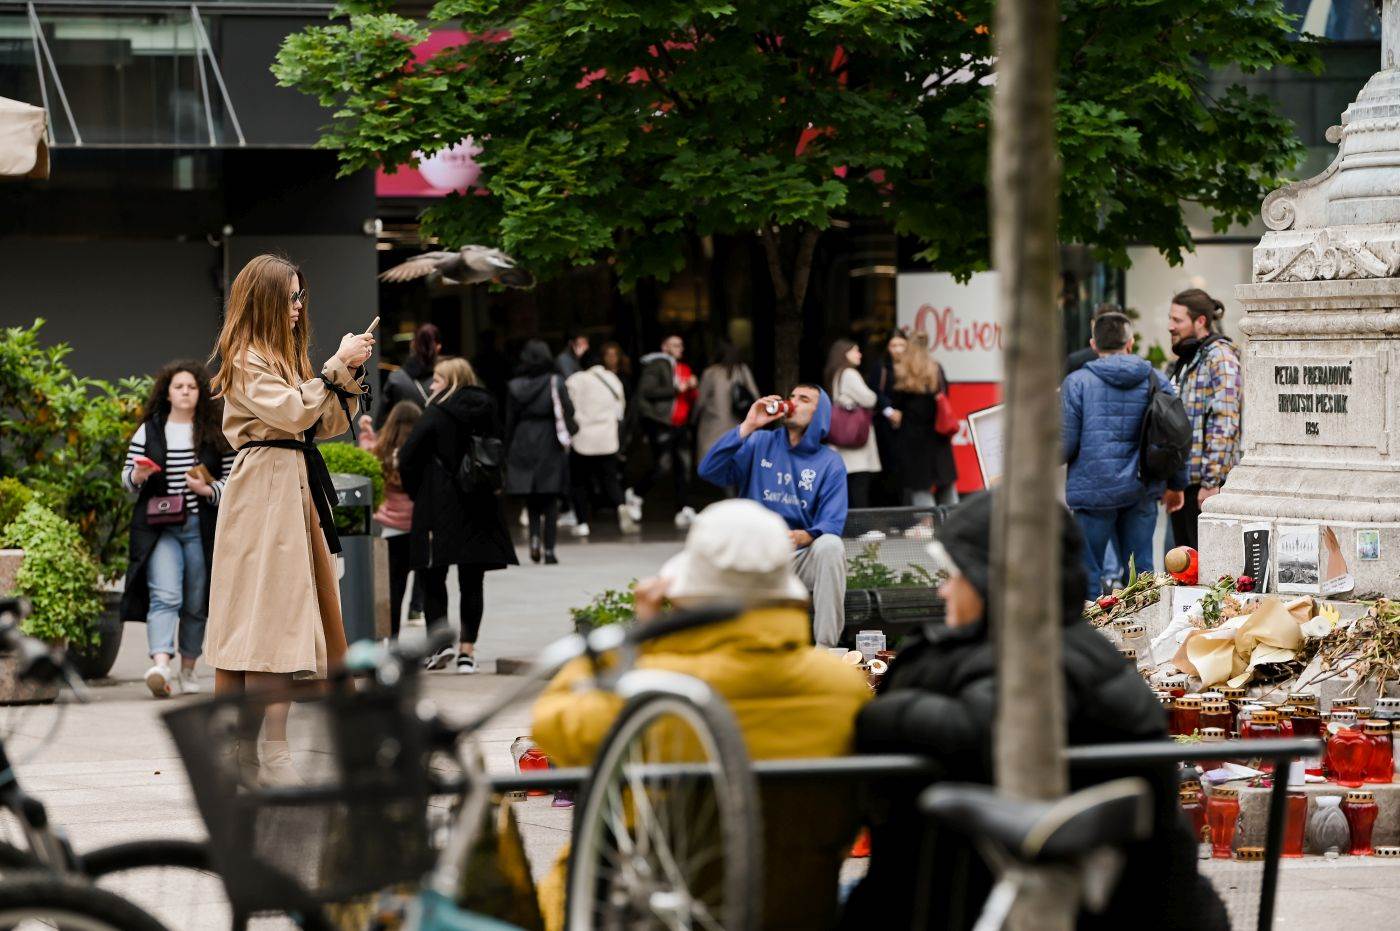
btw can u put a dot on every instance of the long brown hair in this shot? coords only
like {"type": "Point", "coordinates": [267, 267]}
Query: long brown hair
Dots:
{"type": "Point", "coordinates": [403, 417]}
{"type": "Point", "coordinates": [258, 317]}
{"type": "Point", "coordinates": [208, 412]}
{"type": "Point", "coordinates": [836, 362]}
{"type": "Point", "coordinates": [916, 370]}
{"type": "Point", "coordinates": [1199, 305]}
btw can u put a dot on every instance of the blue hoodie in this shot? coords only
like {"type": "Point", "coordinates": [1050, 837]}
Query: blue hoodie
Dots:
{"type": "Point", "coordinates": [1103, 405]}
{"type": "Point", "coordinates": [805, 484]}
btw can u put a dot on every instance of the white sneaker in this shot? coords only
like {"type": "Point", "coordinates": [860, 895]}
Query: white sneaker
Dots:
{"type": "Point", "coordinates": [524, 517]}
{"type": "Point", "coordinates": [189, 682]}
{"type": "Point", "coordinates": [466, 664]}
{"type": "Point", "coordinates": [685, 517]}
{"type": "Point", "coordinates": [161, 681]}
{"type": "Point", "coordinates": [634, 505]}
{"type": "Point", "coordinates": [568, 519]}
{"type": "Point", "coordinates": [441, 659]}
{"type": "Point", "coordinates": [625, 522]}
{"type": "Point", "coordinates": [582, 530]}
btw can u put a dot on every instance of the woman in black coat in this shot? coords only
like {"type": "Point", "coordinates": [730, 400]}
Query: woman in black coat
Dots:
{"type": "Point", "coordinates": [537, 467]}
{"type": "Point", "coordinates": [939, 699]}
{"type": "Point", "coordinates": [923, 457]}
{"type": "Point", "coordinates": [452, 527]}
{"type": "Point", "coordinates": [413, 380]}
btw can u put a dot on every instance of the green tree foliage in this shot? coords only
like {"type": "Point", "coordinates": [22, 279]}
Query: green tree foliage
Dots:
{"type": "Point", "coordinates": [57, 576]}
{"type": "Point", "coordinates": [65, 437]}
{"type": "Point", "coordinates": [614, 130]}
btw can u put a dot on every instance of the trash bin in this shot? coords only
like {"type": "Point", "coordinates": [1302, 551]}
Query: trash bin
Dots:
{"type": "Point", "coordinates": [356, 493]}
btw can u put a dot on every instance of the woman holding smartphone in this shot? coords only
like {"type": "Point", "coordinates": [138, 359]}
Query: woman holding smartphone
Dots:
{"type": "Point", "coordinates": [176, 465]}
{"type": "Point", "coordinates": [274, 603]}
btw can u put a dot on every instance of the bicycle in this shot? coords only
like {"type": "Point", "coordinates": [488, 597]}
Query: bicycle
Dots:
{"type": "Point", "coordinates": [158, 876]}
{"type": "Point", "coordinates": [666, 831]}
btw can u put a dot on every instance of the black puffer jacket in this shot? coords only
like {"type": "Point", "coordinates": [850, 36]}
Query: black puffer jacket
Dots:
{"type": "Point", "coordinates": [451, 528]}
{"type": "Point", "coordinates": [536, 462]}
{"type": "Point", "coordinates": [939, 698]}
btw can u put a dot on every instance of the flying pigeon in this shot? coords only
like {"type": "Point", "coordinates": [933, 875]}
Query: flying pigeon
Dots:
{"type": "Point", "coordinates": [468, 265]}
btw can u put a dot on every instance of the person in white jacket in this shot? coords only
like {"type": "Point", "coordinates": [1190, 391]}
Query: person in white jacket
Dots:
{"type": "Point", "coordinates": [600, 405]}
{"type": "Point", "coordinates": [850, 392]}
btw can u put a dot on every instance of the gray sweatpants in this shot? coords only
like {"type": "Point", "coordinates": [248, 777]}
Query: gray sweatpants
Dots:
{"type": "Point", "coordinates": [822, 568]}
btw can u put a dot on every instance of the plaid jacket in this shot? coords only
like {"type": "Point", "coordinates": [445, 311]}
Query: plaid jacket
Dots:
{"type": "Point", "coordinates": [1211, 390]}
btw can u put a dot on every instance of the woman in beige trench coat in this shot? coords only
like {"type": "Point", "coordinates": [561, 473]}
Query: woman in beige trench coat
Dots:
{"type": "Point", "coordinates": [274, 604]}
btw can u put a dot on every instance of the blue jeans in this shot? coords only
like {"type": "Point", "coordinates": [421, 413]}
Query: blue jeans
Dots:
{"type": "Point", "coordinates": [178, 580]}
{"type": "Point", "coordinates": [1130, 531]}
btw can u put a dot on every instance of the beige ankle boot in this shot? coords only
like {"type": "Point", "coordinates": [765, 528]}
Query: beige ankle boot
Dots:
{"type": "Point", "coordinates": [276, 768]}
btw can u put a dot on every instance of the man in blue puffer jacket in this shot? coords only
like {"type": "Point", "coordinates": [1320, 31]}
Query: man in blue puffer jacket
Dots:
{"type": "Point", "coordinates": [1104, 404]}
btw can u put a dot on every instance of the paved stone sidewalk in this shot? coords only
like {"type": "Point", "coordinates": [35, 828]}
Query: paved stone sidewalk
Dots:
{"type": "Point", "coordinates": [110, 773]}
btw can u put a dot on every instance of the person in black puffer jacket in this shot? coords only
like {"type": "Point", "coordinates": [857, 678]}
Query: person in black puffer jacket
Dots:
{"type": "Point", "coordinates": [939, 698]}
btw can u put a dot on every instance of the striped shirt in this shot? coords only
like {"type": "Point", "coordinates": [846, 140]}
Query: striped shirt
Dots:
{"type": "Point", "coordinates": [179, 459]}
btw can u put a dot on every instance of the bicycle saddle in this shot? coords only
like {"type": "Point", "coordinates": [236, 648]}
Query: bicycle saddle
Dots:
{"type": "Point", "coordinates": [1110, 814]}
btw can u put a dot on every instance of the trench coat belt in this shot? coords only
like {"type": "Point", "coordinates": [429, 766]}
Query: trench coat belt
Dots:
{"type": "Point", "coordinates": [322, 488]}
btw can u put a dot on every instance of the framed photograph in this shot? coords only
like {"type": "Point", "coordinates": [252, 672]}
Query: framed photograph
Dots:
{"type": "Point", "coordinates": [1368, 545]}
{"type": "Point", "coordinates": [989, 442]}
{"type": "Point", "coordinates": [1296, 559]}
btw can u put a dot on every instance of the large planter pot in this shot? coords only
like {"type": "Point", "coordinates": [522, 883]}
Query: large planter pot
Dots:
{"type": "Point", "coordinates": [96, 661]}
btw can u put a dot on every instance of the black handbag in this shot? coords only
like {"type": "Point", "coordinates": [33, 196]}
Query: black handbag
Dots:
{"type": "Point", "coordinates": [483, 467]}
{"type": "Point", "coordinates": [165, 510]}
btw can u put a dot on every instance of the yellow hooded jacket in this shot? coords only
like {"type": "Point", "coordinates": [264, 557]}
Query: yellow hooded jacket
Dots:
{"type": "Point", "coordinates": [790, 699]}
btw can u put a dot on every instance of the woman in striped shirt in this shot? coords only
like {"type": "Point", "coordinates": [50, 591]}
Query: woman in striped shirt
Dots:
{"type": "Point", "coordinates": [167, 584]}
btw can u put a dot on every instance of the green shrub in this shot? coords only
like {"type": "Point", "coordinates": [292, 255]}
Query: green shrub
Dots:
{"type": "Point", "coordinates": [612, 606]}
{"type": "Point", "coordinates": [65, 437]}
{"type": "Point", "coordinates": [350, 459]}
{"type": "Point", "coordinates": [57, 576]}
{"type": "Point", "coordinates": [13, 497]}
{"type": "Point", "coordinates": [866, 571]}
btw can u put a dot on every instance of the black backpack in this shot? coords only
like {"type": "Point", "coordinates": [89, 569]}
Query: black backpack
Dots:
{"type": "Point", "coordinates": [740, 399]}
{"type": "Point", "coordinates": [1166, 435]}
{"type": "Point", "coordinates": [482, 468]}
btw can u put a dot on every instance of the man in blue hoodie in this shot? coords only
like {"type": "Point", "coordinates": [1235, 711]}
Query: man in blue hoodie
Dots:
{"type": "Point", "coordinates": [1104, 404]}
{"type": "Point", "coordinates": [791, 473]}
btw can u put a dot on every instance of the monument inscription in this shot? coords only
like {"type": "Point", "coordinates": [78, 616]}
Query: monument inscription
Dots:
{"type": "Point", "coordinates": [1314, 401]}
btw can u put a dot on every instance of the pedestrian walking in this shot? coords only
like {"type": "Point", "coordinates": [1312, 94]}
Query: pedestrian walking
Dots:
{"type": "Point", "coordinates": [274, 601]}
{"type": "Point", "coordinates": [879, 375]}
{"type": "Point", "coordinates": [395, 515]}
{"type": "Point", "coordinates": [923, 443]}
{"type": "Point", "coordinates": [455, 525]}
{"type": "Point", "coordinates": [852, 412]}
{"type": "Point", "coordinates": [939, 700]}
{"type": "Point", "coordinates": [790, 472]}
{"type": "Point", "coordinates": [600, 407]}
{"type": "Point", "coordinates": [1104, 403]}
{"type": "Point", "coordinates": [411, 381]}
{"type": "Point", "coordinates": [175, 465]}
{"type": "Point", "coordinates": [727, 391]}
{"type": "Point", "coordinates": [665, 399]}
{"type": "Point", "coordinates": [1207, 377]}
{"type": "Point", "coordinates": [570, 360]}
{"type": "Point", "coordinates": [539, 431]}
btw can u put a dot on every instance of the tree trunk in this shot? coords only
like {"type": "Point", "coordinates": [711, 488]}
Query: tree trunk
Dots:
{"type": "Point", "coordinates": [1029, 751]}
{"type": "Point", "coordinates": [784, 245]}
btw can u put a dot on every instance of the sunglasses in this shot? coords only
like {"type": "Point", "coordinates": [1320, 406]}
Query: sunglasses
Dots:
{"type": "Point", "coordinates": [299, 297]}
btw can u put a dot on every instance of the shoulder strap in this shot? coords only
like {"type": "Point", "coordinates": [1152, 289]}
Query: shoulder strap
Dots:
{"type": "Point", "coordinates": [599, 376]}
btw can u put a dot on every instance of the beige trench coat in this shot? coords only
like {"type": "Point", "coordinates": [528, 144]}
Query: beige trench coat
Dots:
{"type": "Point", "coordinates": [274, 602]}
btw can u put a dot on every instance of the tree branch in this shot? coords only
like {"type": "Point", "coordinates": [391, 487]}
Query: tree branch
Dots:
{"type": "Point", "coordinates": [802, 268]}
{"type": "Point", "coordinates": [772, 249]}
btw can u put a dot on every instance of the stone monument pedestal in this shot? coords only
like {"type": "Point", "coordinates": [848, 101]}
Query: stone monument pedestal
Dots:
{"type": "Point", "coordinates": [1321, 367]}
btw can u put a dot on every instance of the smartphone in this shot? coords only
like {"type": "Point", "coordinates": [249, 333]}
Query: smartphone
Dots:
{"type": "Point", "coordinates": [373, 324]}
{"type": "Point", "coordinates": [148, 462]}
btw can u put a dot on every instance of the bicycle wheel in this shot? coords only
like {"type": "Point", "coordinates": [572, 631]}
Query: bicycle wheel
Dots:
{"type": "Point", "coordinates": [175, 880]}
{"type": "Point", "coordinates": [35, 901]}
{"type": "Point", "coordinates": [667, 834]}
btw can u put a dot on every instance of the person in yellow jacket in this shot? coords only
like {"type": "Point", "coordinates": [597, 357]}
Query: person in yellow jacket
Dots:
{"type": "Point", "coordinates": [790, 699]}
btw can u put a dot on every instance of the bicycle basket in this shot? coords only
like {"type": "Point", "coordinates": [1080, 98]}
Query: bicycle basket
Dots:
{"type": "Point", "coordinates": [358, 823]}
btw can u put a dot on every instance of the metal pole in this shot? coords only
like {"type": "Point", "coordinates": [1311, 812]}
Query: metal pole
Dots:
{"type": "Point", "coordinates": [43, 85]}
{"type": "Point", "coordinates": [1273, 843]}
{"type": "Point", "coordinates": [203, 81]}
{"type": "Point", "coordinates": [38, 30]}
{"type": "Point", "coordinates": [208, 48]}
